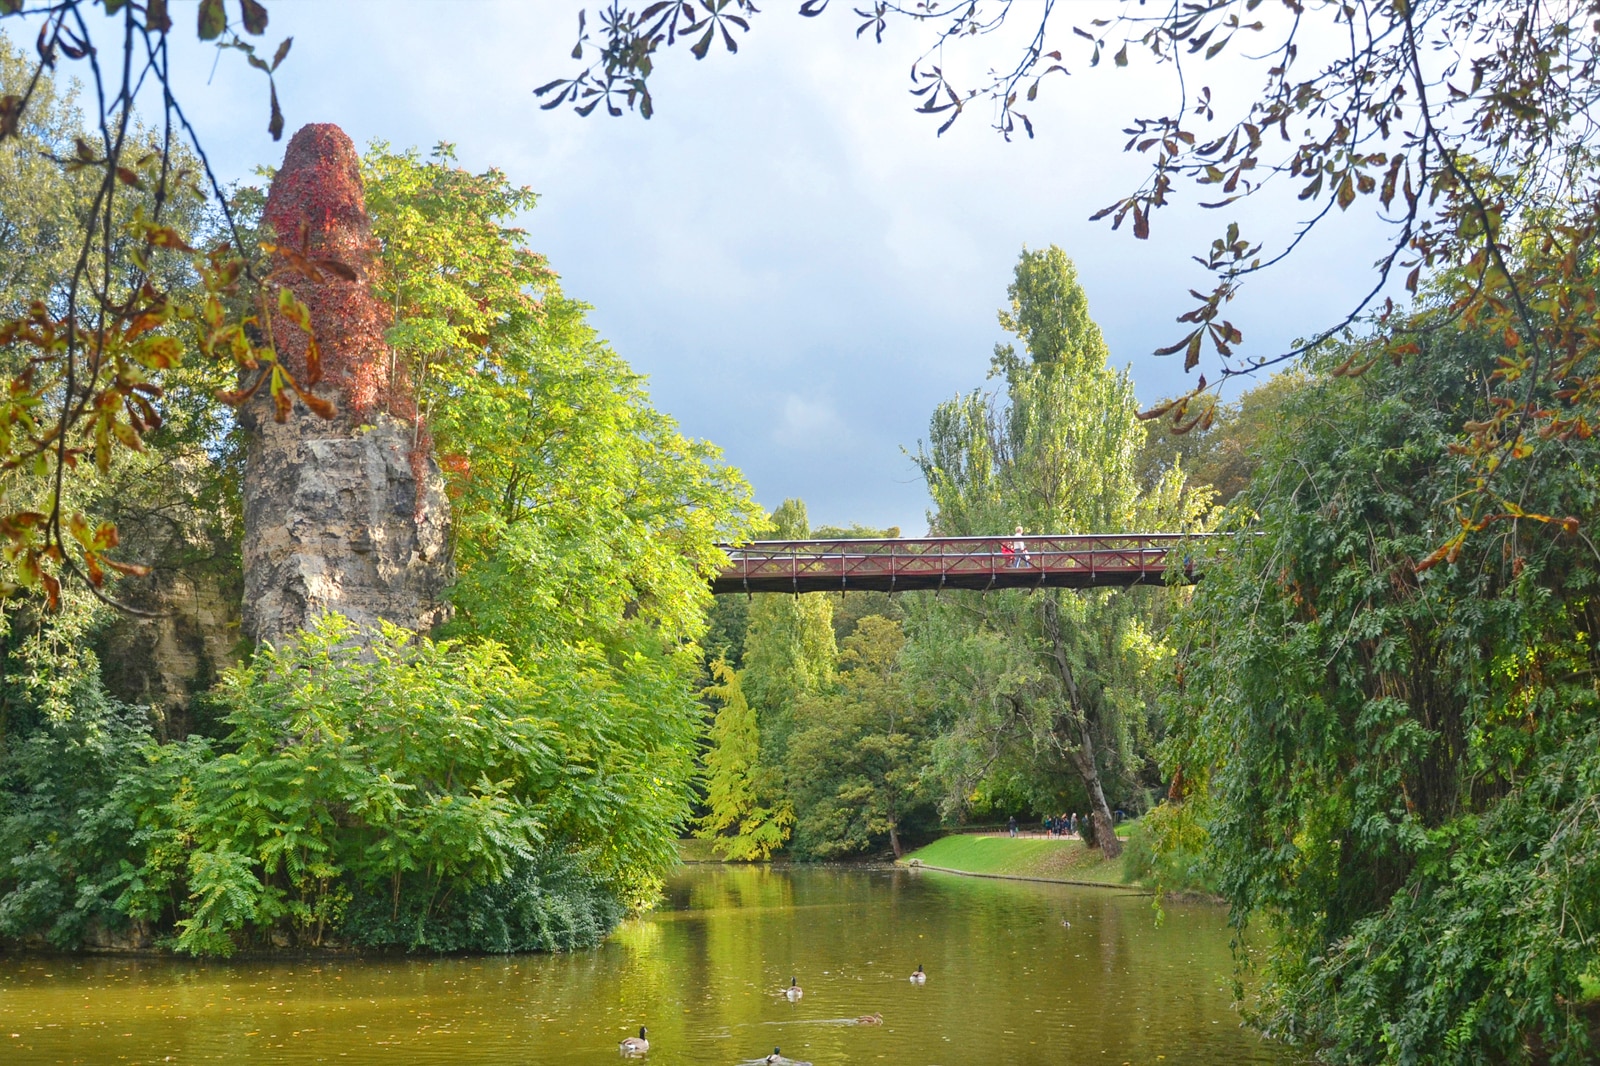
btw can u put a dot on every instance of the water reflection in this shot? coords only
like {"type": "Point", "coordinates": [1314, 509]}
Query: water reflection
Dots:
{"type": "Point", "coordinates": [1007, 982]}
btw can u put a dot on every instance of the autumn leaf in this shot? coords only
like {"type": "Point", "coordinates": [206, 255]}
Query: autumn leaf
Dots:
{"type": "Point", "coordinates": [158, 353]}
{"type": "Point", "coordinates": [213, 20]}
{"type": "Point", "coordinates": [254, 16]}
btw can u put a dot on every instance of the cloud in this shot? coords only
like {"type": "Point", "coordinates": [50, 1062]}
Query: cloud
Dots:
{"type": "Point", "coordinates": [811, 426]}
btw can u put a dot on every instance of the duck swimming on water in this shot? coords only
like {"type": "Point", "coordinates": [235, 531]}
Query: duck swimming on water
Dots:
{"type": "Point", "coordinates": [635, 1045]}
{"type": "Point", "coordinates": [870, 1019]}
{"type": "Point", "coordinates": [793, 991]}
{"type": "Point", "coordinates": [777, 1059]}
{"type": "Point", "coordinates": [918, 977]}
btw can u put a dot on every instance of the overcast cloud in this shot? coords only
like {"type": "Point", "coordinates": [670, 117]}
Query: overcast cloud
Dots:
{"type": "Point", "coordinates": [800, 266]}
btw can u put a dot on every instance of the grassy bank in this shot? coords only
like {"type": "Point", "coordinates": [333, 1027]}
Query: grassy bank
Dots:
{"type": "Point", "coordinates": [999, 856]}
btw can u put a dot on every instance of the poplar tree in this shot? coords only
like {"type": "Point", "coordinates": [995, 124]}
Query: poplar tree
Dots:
{"type": "Point", "coordinates": [1056, 453]}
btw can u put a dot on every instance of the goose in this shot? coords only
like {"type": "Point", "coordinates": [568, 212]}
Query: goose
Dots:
{"type": "Point", "coordinates": [870, 1019]}
{"type": "Point", "coordinates": [793, 991]}
{"type": "Point", "coordinates": [919, 977]}
{"type": "Point", "coordinates": [635, 1045]}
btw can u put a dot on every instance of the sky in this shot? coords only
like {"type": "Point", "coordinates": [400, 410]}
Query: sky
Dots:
{"type": "Point", "coordinates": [796, 261]}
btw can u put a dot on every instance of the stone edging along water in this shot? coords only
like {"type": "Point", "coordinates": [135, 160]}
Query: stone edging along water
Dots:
{"type": "Point", "coordinates": [917, 864]}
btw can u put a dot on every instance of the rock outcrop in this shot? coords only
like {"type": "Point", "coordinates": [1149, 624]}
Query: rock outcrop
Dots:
{"type": "Point", "coordinates": [346, 514]}
{"type": "Point", "coordinates": [184, 631]}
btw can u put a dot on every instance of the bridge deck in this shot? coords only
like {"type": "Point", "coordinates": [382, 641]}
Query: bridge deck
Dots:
{"type": "Point", "coordinates": [1077, 562]}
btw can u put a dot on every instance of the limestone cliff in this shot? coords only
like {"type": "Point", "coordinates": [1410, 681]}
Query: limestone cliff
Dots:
{"type": "Point", "coordinates": [347, 514]}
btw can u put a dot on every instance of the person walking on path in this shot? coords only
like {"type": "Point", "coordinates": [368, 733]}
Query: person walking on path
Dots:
{"type": "Point", "coordinates": [1019, 551]}
{"type": "Point", "coordinates": [1011, 825]}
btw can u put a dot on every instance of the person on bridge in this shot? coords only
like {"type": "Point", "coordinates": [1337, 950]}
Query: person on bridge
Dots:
{"type": "Point", "coordinates": [1019, 550]}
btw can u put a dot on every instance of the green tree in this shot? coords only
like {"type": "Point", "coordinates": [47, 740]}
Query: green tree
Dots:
{"type": "Point", "coordinates": [1049, 314]}
{"type": "Point", "coordinates": [789, 651]}
{"type": "Point", "coordinates": [738, 823]}
{"type": "Point", "coordinates": [1393, 769]}
{"type": "Point", "coordinates": [566, 485]}
{"type": "Point", "coordinates": [856, 759]}
{"type": "Point", "coordinates": [1057, 456]}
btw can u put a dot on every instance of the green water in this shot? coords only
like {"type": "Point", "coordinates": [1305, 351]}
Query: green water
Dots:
{"type": "Point", "coordinates": [1007, 983]}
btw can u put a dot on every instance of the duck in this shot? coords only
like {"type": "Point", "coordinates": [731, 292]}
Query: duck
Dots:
{"type": "Point", "coordinates": [918, 977]}
{"type": "Point", "coordinates": [635, 1045]}
{"type": "Point", "coordinates": [777, 1059]}
{"type": "Point", "coordinates": [870, 1019]}
{"type": "Point", "coordinates": [793, 991]}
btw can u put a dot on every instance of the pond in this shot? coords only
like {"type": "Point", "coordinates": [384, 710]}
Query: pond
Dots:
{"type": "Point", "coordinates": [1017, 973]}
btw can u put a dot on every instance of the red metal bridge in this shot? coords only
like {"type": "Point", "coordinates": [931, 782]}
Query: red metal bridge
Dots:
{"type": "Point", "coordinates": [1074, 562]}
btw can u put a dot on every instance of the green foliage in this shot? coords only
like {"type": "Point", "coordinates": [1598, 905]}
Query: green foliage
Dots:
{"type": "Point", "coordinates": [436, 777]}
{"type": "Point", "coordinates": [789, 651]}
{"type": "Point", "coordinates": [566, 485]}
{"type": "Point", "coordinates": [1050, 315]}
{"type": "Point", "coordinates": [742, 822]}
{"type": "Point", "coordinates": [726, 625]}
{"type": "Point", "coordinates": [856, 758]}
{"type": "Point", "coordinates": [1169, 857]}
{"type": "Point", "coordinates": [1056, 685]}
{"type": "Point", "coordinates": [568, 489]}
{"type": "Point", "coordinates": [43, 202]}
{"type": "Point", "coordinates": [1393, 769]}
{"type": "Point", "coordinates": [545, 902]}
{"type": "Point", "coordinates": [62, 841]}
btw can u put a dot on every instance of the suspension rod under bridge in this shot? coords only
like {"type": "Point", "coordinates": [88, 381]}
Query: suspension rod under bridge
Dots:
{"type": "Point", "coordinates": [1078, 561]}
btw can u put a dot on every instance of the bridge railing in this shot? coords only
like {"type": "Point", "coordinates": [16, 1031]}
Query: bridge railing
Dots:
{"type": "Point", "coordinates": [957, 562]}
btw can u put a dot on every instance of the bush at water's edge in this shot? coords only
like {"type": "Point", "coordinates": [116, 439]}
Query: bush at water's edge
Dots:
{"type": "Point", "coordinates": [1176, 870]}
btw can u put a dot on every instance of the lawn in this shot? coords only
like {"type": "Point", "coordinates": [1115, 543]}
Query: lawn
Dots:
{"type": "Point", "coordinates": [1042, 857]}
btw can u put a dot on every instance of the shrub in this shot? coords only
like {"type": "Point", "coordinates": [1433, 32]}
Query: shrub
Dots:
{"type": "Point", "coordinates": [424, 794]}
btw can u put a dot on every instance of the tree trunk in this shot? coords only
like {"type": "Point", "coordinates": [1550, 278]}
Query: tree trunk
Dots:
{"type": "Point", "coordinates": [894, 840]}
{"type": "Point", "coordinates": [1105, 827]}
{"type": "Point", "coordinates": [1079, 749]}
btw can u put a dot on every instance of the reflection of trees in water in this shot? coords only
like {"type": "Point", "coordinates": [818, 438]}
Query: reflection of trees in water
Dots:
{"type": "Point", "coordinates": [1172, 975]}
{"type": "Point", "coordinates": [741, 887]}
{"type": "Point", "coordinates": [736, 941]}
{"type": "Point", "coordinates": [649, 976]}
{"type": "Point", "coordinates": [704, 979]}
{"type": "Point", "coordinates": [1119, 975]}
